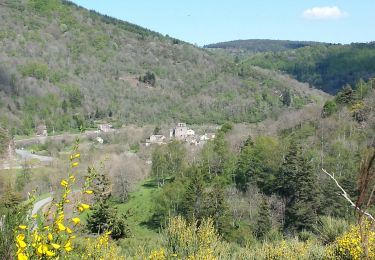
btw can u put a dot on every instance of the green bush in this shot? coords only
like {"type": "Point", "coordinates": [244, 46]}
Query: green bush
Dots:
{"type": "Point", "coordinates": [329, 108]}
{"type": "Point", "coordinates": [36, 70]}
{"type": "Point", "coordinates": [44, 6]}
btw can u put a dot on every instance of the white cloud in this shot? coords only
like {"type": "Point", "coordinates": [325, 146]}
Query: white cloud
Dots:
{"type": "Point", "coordinates": [324, 13]}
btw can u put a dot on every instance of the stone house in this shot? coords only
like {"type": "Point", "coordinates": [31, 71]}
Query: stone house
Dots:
{"type": "Point", "coordinates": [155, 139]}
{"type": "Point", "coordinates": [179, 132]}
{"type": "Point", "coordinates": [41, 130]}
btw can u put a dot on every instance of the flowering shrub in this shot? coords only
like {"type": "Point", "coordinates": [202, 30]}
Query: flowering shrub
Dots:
{"type": "Point", "coordinates": [190, 241]}
{"type": "Point", "coordinates": [357, 243]}
{"type": "Point", "coordinates": [100, 247]}
{"type": "Point", "coordinates": [53, 234]}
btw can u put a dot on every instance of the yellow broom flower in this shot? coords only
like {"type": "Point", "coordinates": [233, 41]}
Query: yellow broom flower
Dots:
{"type": "Point", "coordinates": [61, 227]}
{"type": "Point", "coordinates": [64, 183]}
{"type": "Point", "coordinates": [55, 246]}
{"type": "Point", "coordinates": [76, 221]}
{"type": "Point", "coordinates": [22, 226]}
{"type": "Point", "coordinates": [75, 164]}
{"type": "Point", "coordinates": [50, 253]}
{"type": "Point", "coordinates": [22, 256]}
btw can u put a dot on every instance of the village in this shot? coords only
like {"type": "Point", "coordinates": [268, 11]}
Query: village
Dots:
{"type": "Point", "coordinates": [181, 132]}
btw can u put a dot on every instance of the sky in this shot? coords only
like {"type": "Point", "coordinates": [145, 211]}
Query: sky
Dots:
{"type": "Point", "coordinates": [209, 21]}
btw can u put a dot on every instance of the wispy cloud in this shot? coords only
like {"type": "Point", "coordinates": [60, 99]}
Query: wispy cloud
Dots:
{"type": "Point", "coordinates": [324, 13]}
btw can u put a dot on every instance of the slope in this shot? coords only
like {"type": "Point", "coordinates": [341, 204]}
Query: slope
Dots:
{"type": "Point", "coordinates": [328, 67]}
{"type": "Point", "coordinates": [65, 66]}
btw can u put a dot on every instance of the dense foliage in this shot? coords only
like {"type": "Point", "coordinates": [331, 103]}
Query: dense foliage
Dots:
{"type": "Point", "coordinates": [264, 199]}
{"type": "Point", "coordinates": [328, 67]}
{"type": "Point", "coordinates": [279, 176]}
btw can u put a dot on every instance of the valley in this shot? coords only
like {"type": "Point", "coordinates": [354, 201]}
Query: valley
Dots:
{"type": "Point", "coordinates": [118, 142]}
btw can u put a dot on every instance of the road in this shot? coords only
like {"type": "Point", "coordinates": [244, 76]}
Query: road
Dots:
{"type": "Point", "coordinates": [40, 204]}
{"type": "Point", "coordinates": [26, 155]}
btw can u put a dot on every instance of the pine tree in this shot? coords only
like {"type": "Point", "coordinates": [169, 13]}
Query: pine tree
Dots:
{"type": "Point", "coordinates": [247, 166]}
{"type": "Point", "coordinates": [104, 216]}
{"type": "Point", "coordinates": [193, 202]}
{"type": "Point", "coordinates": [98, 220]}
{"type": "Point", "coordinates": [216, 207]}
{"type": "Point", "coordinates": [299, 187]}
{"type": "Point", "coordinates": [64, 106]}
{"type": "Point", "coordinates": [286, 98]}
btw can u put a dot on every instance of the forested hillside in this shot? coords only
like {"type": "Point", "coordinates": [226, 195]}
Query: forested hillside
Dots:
{"type": "Point", "coordinates": [66, 66]}
{"type": "Point", "coordinates": [258, 45]}
{"type": "Point", "coordinates": [327, 67]}
{"type": "Point", "coordinates": [274, 184]}
{"type": "Point", "coordinates": [266, 167]}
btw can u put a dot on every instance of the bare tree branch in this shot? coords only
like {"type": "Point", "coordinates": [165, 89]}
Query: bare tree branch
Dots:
{"type": "Point", "coordinates": [346, 196]}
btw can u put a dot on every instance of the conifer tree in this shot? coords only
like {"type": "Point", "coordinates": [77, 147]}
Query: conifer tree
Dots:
{"type": "Point", "coordinates": [299, 187]}
{"type": "Point", "coordinates": [217, 208]}
{"type": "Point", "coordinates": [104, 216]}
{"type": "Point", "coordinates": [193, 202]}
{"type": "Point", "coordinates": [246, 166]}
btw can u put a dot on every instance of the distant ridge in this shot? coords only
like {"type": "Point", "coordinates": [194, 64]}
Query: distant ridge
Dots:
{"type": "Point", "coordinates": [263, 45]}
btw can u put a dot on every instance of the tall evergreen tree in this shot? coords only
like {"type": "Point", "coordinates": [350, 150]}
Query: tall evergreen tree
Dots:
{"type": "Point", "coordinates": [247, 166]}
{"type": "Point", "coordinates": [286, 98]}
{"type": "Point", "coordinates": [217, 208]}
{"type": "Point", "coordinates": [104, 216]}
{"type": "Point", "coordinates": [193, 202]}
{"type": "Point", "coordinates": [299, 187]}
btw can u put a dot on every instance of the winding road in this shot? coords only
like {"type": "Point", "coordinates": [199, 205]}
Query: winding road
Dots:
{"type": "Point", "coordinates": [26, 155]}
{"type": "Point", "coordinates": [40, 204]}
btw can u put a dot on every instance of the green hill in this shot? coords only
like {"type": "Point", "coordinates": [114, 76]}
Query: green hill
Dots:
{"type": "Point", "coordinates": [65, 66]}
{"type": "Point", "coordinates": [328, 67]}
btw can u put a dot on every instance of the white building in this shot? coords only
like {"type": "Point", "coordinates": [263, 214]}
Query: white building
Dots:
{"type": "Point", "coordinates": [155, 139]}
{"type": "Point", "coordinates": [190, 132]}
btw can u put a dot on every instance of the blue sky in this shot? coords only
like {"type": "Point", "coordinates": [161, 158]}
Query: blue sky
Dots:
{"type": "Point", "coordinates": [209, 21]}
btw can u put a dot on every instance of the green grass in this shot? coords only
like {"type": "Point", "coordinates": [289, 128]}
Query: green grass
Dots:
{"type": "Point", "coordinates": [139, 205]}
{"type": "Point", "coordinates": [139, 210]}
